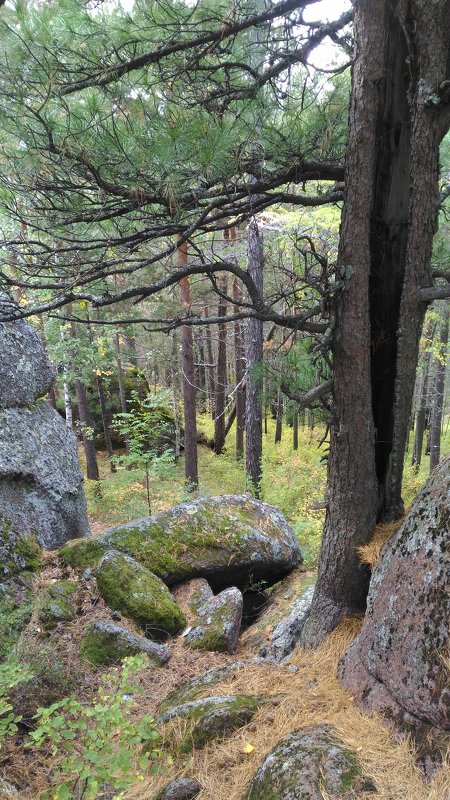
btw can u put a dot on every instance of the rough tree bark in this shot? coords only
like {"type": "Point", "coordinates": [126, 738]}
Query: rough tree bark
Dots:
{"type": "Point", "coordinates": [239, 356]}
{"type": "Point", "coordinates": [189, 388]}
{"type": "Point", "coordinates": [253, 411]}
{"type": "Point", "coordinates": [397, 119]}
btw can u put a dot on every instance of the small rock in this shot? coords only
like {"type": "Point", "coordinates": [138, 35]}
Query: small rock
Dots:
{"type": "Point", "coordinates": [286, 633]}
{"type": "Point", "coordinates": [56, 604]}
{"type": "Point", "coordinates": [180, 789]}
{"type": "Point", "coordinates": [310, 764]}
{"type": "Point", "coordinates": [127, 586]}
{"type": "Point", "coordinates": [219, 623]}
{"type": "Point", "coordinates": [106, 643]}
{"type": "Point", "coordinates": [7, 790]}
{"type": "Point", "coordinates": [87, 574]}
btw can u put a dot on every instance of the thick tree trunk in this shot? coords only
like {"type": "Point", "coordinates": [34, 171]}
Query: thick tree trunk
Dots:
{"type": "Point", "coordinates": [253, 412]}
{"type": "Point", "coordinates": [189, 388]}
{"type": "Point", "coordinates": [438, 400]}
{"type": "Point", "coordinates": [342, 582]}
{"type": "Point", "coordinates": [221, 381]}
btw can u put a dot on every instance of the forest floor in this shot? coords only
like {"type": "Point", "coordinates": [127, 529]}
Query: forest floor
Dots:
{"type": "Point", "coordinates": [302, 692]}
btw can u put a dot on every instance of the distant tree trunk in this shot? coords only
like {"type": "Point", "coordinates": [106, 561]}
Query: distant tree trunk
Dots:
{"type": "Point", "coordinates": [85, 424]}
{"type": "Point", "coordinates": [175, 393]}
{"type": "Point", "coordinates": [67, 402]}
{"type": "Point", "coordinates": [200, 370]}
{"type": "Point", "coordinates": [221, 381]}
{"type": "Point", "coordinates": [279, 418]}
{"type": "Point", "coordinates": [103, 410]}
{"type": "Point", "coordinates": [239, 355]}
{"type": "Point", "coordinates": [253, 412]}
{"type": "Point", "coordinates": [421, 417]}
{"type": "Point", "coordinates": [295, 429]}
{"type": "Point", "coordinates": [210, 369]}
{"type": "Point", "coordinates": [438, 400]}
{"type": "Point", "coordinates": [123, 400]}
{"type": "Point", "coordinates": [189, 388]}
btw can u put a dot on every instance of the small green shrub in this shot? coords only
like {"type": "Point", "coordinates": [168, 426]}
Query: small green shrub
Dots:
{"type": "Point", "coordinates": [12, 672]}
{"type": "Point", "coordinates": [102, 742]}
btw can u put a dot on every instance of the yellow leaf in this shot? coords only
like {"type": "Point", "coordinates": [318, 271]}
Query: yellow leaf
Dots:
{"type": "Point", "coordinates": [248, 748]}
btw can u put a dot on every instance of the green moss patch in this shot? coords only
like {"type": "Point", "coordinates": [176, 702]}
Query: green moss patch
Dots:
{"type": "Point", "coordinates": [127, 586]}
{"type": "Point", "coordinates": [18, 552]}
{"type": "Point", "coordinates": [57, 604]}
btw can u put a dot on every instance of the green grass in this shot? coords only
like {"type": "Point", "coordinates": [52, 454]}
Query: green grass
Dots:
{"type": "Point", "coordinates": [292, 480]}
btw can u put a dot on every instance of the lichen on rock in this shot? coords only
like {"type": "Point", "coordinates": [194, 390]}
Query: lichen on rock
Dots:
{"type": "Point", "coordinates": [218, 624]}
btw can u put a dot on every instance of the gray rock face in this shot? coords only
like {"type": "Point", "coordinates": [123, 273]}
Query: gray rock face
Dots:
{"type": "Point", "coordinates": [310, 764]}
{"type": "Point", "coordinates": [230, 541]}
{"type": "Point", "coordinates": [41, 485]}
{"type": "Point", "coordinates": [397, 661]}
{"type": "Point", "coordinates": [286, 633]}
{"type": "Point", "coordinates": [181, 789]}
{"type": "Point", "coordinates": [107, 643]}
{"type": "Point", "coordinates": [25, 371]}
{"type": "Point", "coordinates": [219, 623]}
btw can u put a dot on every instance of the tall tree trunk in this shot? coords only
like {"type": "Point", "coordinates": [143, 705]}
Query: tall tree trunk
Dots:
{"type": "Point", "coordinates": [239, 356]}
{"type": "Point", "coordinates": [189, 388]}
{"type": "Point", "coordinates": [342, 582]}
{"type": "Point", "coordinates": [295, 429]}
{"type": "Point", "coordinates": [175, 394]}
{"type": "Point", "coordinates": [438, 400]}
{"type": "Point", "coordinates": [211, 366]}
{"type": "Point", "coordinates": [221, 381]}
{"type": "Point", "coordinates": [253, 411]}
{"type": "Point", "coordinates": [123, 399]}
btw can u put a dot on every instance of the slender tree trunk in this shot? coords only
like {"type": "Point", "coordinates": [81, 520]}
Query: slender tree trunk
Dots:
{"type": "Point", "coordinates": [438, 402]}
{"type": "Point", "coordinates": [221, 382]}
{"type": "Point", "coordinates": [189, 388]}
{"type": "Point", "coordinates": [279, 424]}
{"type": "Point", "coordinates": [123, 400]}
{"type": "Point", "coordinates": [211, 366]}
{"type": "Point", "coordinates": [92, 472]}
{"type": "Point", "coordinates": [175, 395]}
{"type": "Point", "coordinates": [421, 417]}
{"type": "Point", "coordinates": [295, 429]}
{"type": "Point", "coordinates": [253, 412]}
{"type": "Point", "coordinates": [103, 410]}
{"type": "Point", "coordinates": [239, 355]}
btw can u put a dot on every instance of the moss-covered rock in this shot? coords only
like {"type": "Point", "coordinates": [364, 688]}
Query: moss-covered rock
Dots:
{"type": "Point", "coordinates": [310, 764]}
{"type": "Point", "coordinates": [15, 613]}
{"type": "Point", "coordinates": [127, 586]}
{"type": "Point", "coordinates": [192, 689]}
{"type": "Point", "coordinates": [210, 718]}
{"type": "Point", "coordinates": [18, 551]}
{"type": "Point", "coordinates": [107, 643]}
{"type": "Point", "coordinates": [56, 604]}
{"type": "Point", "coordinates": [219, 623]}
{"type": "Point", "coordinates": [232, 540]}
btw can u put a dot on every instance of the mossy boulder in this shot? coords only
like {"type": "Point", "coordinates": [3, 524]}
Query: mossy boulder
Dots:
{"type": "Point", "coordinates": [15, 613]}
{"type": "Point", "coordinates": [56, 604]}
{"type": "Point", "coordinates": [311, 763]}
{"type": "Point", "coordinates": [219, 623]}
{"type": "Point", "coordinates": [129, 587]}
{"type": "Point", "coordinates": [107, 643]}
{"type": "Point", "coordinates": [19, 551]}
{"type": "Point", "coordinates": [397, 663]}
{"type": "Point", "coordinates": [230, 541]}
{"type": "Point", "coordinates": [210, 718]}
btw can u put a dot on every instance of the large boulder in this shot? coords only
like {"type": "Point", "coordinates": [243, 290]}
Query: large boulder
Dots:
{"type": "Point", "coordinates": [41, 485]}
{"type": "Point", "coordinates": [107, 643]}
{"type": "Point", "coordinates": [231, 541]}
{"type": "Point", "coordinates": [127, 586]}
{"type": "Point", "coordinates": [25, 371]}
{"type": "Point", "coordinates": [310, 764]}
{"type": "Point", "coordinates": [397, 663]}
